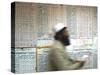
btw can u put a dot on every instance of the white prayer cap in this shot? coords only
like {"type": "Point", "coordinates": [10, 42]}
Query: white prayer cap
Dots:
{"type": "Point", "coordinates": [58, 27]}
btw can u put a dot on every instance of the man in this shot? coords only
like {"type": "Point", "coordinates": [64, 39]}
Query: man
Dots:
{"type": "Point", "coordinates": [58, 57]}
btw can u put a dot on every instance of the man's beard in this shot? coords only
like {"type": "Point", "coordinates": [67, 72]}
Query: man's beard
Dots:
{"type": "Point", "coordinates": [66, 41]}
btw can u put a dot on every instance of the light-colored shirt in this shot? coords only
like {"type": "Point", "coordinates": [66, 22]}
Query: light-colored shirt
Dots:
{"type": "Point", "coordinates": [58, 58]}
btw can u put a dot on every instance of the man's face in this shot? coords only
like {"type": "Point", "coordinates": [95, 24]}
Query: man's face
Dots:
{"type": "Point", "coordinates": [65, 36]}
{"type": "Point", "coordinates": [65, 33]}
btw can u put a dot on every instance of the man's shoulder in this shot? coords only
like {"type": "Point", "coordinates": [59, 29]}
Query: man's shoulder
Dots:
{"type": "Point", "coordinates": [57, 44]}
